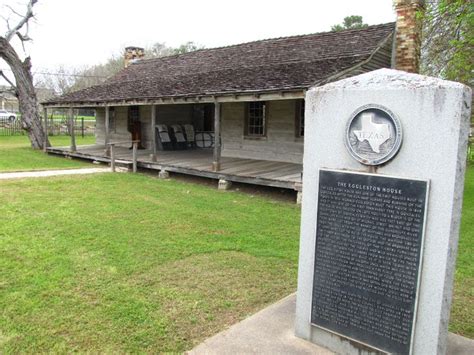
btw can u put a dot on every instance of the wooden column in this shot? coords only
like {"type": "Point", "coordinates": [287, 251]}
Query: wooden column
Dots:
{"type": "Point", "coordinates": [107, 130]}
{"type": "Point", "coordinates": [71, 129]}
{"type": "Point", "coordinates": [112, 158]}
{"type": "Point", "coordinates": [45, 127]}
{"type": "Point", "coordinates": [216, 164]}
{"type": "Point", "coordinates": [153, 132]}
{"type": "Point", "coordinates": [134, 155]}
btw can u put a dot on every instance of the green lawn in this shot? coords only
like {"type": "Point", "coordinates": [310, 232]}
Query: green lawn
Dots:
{"type": "Point", "coordinates": [128, 263]}
{"type": "Point", "coordinates": [16, 154]}
{"type": "Point", "coordinates": [462, 311]}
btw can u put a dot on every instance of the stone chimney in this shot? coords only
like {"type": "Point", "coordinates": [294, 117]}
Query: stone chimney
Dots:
{"type": "Point", "coordinates": [408, 35]}
{"type": "Point", "coordinates": [133, 54]}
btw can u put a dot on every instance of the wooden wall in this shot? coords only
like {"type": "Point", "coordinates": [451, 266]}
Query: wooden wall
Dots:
{"type": "Point", "coordinates": [118, 129]}
{"type": "Point", "coordinates": [165, 114]}
{"type": "Point", "coordinates": [280, 143]}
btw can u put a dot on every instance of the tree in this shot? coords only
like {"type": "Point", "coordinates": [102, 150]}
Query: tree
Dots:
{"type": "Point", "coordinates": [448, 40]}
{"type": "Point", "coordinates": [187, 47]}
{"type": "Point", "coordinates": [65, 80]}
{"type": "Point", "coordinates": [23, 86]}
{"type": "Point", "coordinates": [158, 50]}
{"type": "Point", "coordinates": [59, 82]}
{"type": "Point", "coordinates": [97, 74]}
{"type": "Point", "coordinates": [350, 22]}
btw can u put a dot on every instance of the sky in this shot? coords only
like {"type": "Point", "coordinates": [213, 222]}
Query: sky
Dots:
{"type": "Point", "coordinates": [86, 32]}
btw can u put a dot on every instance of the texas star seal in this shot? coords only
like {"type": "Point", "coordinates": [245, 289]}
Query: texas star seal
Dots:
{"type": "Point", "coordinates": [373, 135]}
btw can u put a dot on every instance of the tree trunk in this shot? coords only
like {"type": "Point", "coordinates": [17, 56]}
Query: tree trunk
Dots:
{"type": "Point", "coordinates": [25, 91]}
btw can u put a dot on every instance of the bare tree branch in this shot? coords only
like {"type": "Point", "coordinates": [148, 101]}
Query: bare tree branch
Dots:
{"type": "Point", "coordinates": [23, 38]}
{"type": "Point", "coordinates": [29, 14]}
{"type": "Point", "coordinates": [7, 80]}
{"type": "Point", "coordinates": [13, 10]}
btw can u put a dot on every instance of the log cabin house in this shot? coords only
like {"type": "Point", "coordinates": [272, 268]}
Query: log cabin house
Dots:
{"type": "Point", "coordinates": [245, 102]}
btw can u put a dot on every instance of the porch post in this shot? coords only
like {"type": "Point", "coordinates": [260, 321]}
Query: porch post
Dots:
{"type": "Point", "coordinates": [134, 155]}
{"type": "Point", "coordinates": [107, 129]}
{"type": "Point", "coordinates": [153, 133]}
{"type": "Point", "coordinates": [216, 164]}
{"type": "Point", "coordinates": [45, 128]}
{"type": "Point", "coordinates": [71, 129]}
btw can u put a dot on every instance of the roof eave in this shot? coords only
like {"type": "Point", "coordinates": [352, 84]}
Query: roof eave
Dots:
{"type": "Point", "coordinates": [247, 95]}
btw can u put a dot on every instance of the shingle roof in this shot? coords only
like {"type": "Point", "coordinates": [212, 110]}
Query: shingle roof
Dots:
{"type": "Point", "coordinates": [286, 63]}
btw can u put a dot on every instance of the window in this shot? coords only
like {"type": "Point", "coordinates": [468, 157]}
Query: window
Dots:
{"type": "Point", "coordinates": [255, 125]}
{"type": "Point", "coordinates": [299, 118]}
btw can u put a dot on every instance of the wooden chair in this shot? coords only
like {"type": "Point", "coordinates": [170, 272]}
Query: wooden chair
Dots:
{"type": "Point", "coordinates": [178, 137]}
{"type": "Point", "coordinates": [163, 138]}
{"type": "Point", "coordinates": [190, 135]}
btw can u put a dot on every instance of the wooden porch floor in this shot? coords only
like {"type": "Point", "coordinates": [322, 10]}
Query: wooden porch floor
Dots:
{"type": "Point", "coordinates": [198, 162]}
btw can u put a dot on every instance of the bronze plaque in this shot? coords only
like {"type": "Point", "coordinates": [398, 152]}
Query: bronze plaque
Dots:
{"type": "Point", "coordinates": [369, 237]}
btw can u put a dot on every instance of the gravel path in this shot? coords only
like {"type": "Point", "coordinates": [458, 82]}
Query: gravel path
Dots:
{"type": "Point", "coordinates": [46, 173]}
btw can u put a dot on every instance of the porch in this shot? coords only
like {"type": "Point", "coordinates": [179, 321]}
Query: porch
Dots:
{"type": "Point", "coordinates": [197, 162]}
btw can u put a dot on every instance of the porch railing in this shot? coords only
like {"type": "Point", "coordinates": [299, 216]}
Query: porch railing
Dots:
{"type": "Point", "coordinates": [134, 154]}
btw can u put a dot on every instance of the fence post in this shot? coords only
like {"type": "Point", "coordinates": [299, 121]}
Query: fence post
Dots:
{"type": "Point", "coordinates": [45, 124]}
{"type": "Point", "coordinates": [72, 125]}
{"type": "Point", "coordinates": [112, 157]}
{"type": "Point", "coordinates": [82, 126]}
{"type": "Point", "coordinates": [134, 156]}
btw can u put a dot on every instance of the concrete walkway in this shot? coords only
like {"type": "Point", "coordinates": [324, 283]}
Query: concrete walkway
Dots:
{"type": "Point", "coordinates": [271, 331]}
{"type": "Point", "coordinates": [46, 173]}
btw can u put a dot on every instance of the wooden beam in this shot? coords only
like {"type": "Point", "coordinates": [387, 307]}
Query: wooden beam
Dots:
{"type": "Point", "coordinates": [153, 132]}
{"type": "Point", "coordinates": [170, 167]}
{"type": "Point", "coordinates": [72, 130]}
{"type": "Point", "coordinates": [216, 164]}
{"type": "Point", "coordinates": [237, 97]}
{"type": "Point", "coordinates": [107, 130]}
{"type": "Point", "coordinates": [45, 127]}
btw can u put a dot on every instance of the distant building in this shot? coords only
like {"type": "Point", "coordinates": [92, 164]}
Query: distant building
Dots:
{"type": "Point", "coordinates": [9, 102]}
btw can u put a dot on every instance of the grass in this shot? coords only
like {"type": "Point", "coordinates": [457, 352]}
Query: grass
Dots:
{"type": "Point", "coordinates": [16, 154]}
{"type": "Point", "coordinates": [462, 311]}
{"type": "Point", "coordinates": [129, 263]}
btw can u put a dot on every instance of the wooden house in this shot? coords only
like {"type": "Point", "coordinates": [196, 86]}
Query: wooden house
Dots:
{"type": "Point", "coordinates": [249, 98]}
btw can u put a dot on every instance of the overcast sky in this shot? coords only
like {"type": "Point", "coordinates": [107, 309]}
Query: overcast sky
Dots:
{"type": "Point", "coordinates": [86, 32]}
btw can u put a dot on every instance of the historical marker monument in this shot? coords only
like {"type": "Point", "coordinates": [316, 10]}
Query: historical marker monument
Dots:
{"type": "Point", "coordinates": [384, 170]}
